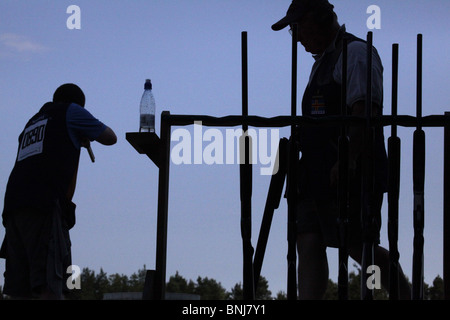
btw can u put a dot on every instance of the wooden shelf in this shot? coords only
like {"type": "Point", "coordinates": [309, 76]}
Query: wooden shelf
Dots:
{"type": "Point", "coordinates": [146, 143]}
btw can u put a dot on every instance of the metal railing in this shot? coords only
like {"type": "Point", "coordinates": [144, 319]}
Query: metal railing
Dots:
{"type": "Point", "coordinates": [158, 150]}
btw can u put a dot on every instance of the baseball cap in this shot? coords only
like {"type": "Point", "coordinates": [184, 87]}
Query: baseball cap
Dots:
{"type": "Point", "coordinates": [297, 10]}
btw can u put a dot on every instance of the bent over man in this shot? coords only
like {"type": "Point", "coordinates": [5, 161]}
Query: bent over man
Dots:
{"type": "Point", "coordinates": [38, 209]}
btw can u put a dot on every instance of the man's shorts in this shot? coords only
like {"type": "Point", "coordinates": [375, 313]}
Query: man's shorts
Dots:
{"type": "Point", "coordinates": [322, 216]}
{"type": "Point", "coordinates": [37, 252]}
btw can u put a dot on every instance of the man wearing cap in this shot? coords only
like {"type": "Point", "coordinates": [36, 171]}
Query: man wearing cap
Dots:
{"type": "Point", "coordinates": [38, 209]}
{"type": "Point", "coordinates": [319, 32]}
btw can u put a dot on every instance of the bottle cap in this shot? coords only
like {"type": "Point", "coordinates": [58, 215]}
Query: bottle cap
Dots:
{"type": "Point", "coordinates": [148, 84]}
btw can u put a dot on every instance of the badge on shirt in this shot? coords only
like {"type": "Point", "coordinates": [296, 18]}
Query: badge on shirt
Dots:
{"type": "Point", "coordinates": [33, 140]}
{"type": "Point", "coordinates": [318, 106]}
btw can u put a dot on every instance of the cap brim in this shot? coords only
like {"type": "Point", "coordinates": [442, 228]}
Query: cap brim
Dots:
{"type": "Point", "coordinates": [283, 23]}
{"type": "Point", "coordinates": [291, 17]}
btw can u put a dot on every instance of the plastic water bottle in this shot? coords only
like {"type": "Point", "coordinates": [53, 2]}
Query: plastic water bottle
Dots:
{"type": "Point", "coordinates": [147, 109]}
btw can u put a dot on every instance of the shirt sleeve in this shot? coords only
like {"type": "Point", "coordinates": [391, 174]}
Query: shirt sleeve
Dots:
{"type": "Point", "coordinates": [357, 74]}
{"type": "Point", "coordinates": [81, 124]}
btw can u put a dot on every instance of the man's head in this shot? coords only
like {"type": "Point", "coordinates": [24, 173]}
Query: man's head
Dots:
{"type": "Point", "coordinates": [317, 23]}
{"type": "Point", "coordinates": [69, 93]}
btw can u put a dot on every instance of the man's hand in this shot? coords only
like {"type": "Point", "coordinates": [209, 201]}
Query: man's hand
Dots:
{"type": "Point", "coordinates": [85, 143]}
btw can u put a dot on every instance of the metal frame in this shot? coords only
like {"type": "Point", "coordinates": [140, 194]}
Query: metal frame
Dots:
{"type": "Point", "coordinates": [158, 150]}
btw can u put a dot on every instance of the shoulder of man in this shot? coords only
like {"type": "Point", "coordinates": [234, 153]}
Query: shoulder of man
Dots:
{"type": "Point", "coordinates": [74, 111]}
{"type": "Point", "coordinates": [81, 122]}
{"type": "Point", "coordinates": [358, 49]}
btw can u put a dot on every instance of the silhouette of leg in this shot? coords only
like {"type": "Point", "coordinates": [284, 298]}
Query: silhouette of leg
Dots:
{"type": "Point", "coordinates": [312, 266]}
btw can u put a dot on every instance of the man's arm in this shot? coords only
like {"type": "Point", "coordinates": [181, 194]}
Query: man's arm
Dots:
{"type": "Point", "coordinates": [83, 127]}
{"type": "Point", "coordinates": [356, 90]}
{"type": "Point", "coordinates": [107, 137]}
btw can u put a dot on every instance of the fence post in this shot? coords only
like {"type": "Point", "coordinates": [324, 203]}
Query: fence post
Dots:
{"type": "Point", "coordinates": [394, 144]}
{"type": "Point", "coordinates": [246, 186]}
{"type": "Point", "coordinates": [367, 181]}
{"type": "Point", "coordinates": [446, 218]}
{"type": "Point", "coordinates": [163, 203]}
{"type": "Point", "coordinates": [418, 186]}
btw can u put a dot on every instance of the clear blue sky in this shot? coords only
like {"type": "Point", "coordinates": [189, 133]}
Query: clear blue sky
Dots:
{"type": "Point", "coordinates": [191, 49]}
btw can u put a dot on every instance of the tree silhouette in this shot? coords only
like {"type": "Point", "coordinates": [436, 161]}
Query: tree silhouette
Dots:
{"type": "Point", "coordinates": [94, 286]}
{"type": "Point", "coordinates": [210, 289]}
{"type": "Point", "coordinates": [262, 291]}
{"type": "Point", "coordinates": [436, 291]}
{"type": "Point", "coordinates": [179, 284]}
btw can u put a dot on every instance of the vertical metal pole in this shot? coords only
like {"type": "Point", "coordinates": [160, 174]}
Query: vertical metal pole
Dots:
{"type": "Point", "coordinates": [163, 203]}
{"type": "Point", "coordinates": [292, 181]}
{"type": "Point", "coordinates": [394, 186]}
{"type": "Point", "coordinates": [418, 185]}
{"type": "Point", "coordinates": [244, 64]}
{"type": "Point", "coordinates": [419, 78]}
{"type": "Point", "coordinates": [343, 186]}
{"type": "Point", "coordinates": [367, 193]}
{"type": "Point", "coordinates": [446, 211]}
{"type": "Point", "coordinates": [246, 187]}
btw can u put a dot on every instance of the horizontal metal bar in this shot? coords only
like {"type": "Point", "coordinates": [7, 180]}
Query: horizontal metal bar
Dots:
{"type": "Point", "coordinates": [283, 121]}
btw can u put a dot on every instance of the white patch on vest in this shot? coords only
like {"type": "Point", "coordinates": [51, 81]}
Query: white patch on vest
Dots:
{"type": "Point", "coordinates": [32, 140]}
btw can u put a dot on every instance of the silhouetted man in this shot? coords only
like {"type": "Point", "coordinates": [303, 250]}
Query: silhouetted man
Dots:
{"type": "Point", "coordinates": [319, 32]}
{"type": "Point", "coordinates": [38, 209]}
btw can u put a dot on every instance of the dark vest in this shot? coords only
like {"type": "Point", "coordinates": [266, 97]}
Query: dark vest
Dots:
{"type": "Point", "coordinates": [319, 145]}
{"type": "Point", "coordinates": [46, 162]}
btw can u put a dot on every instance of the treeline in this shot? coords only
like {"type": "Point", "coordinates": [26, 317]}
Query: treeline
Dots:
{"type": "Point", "coordinates": [94, 286]}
